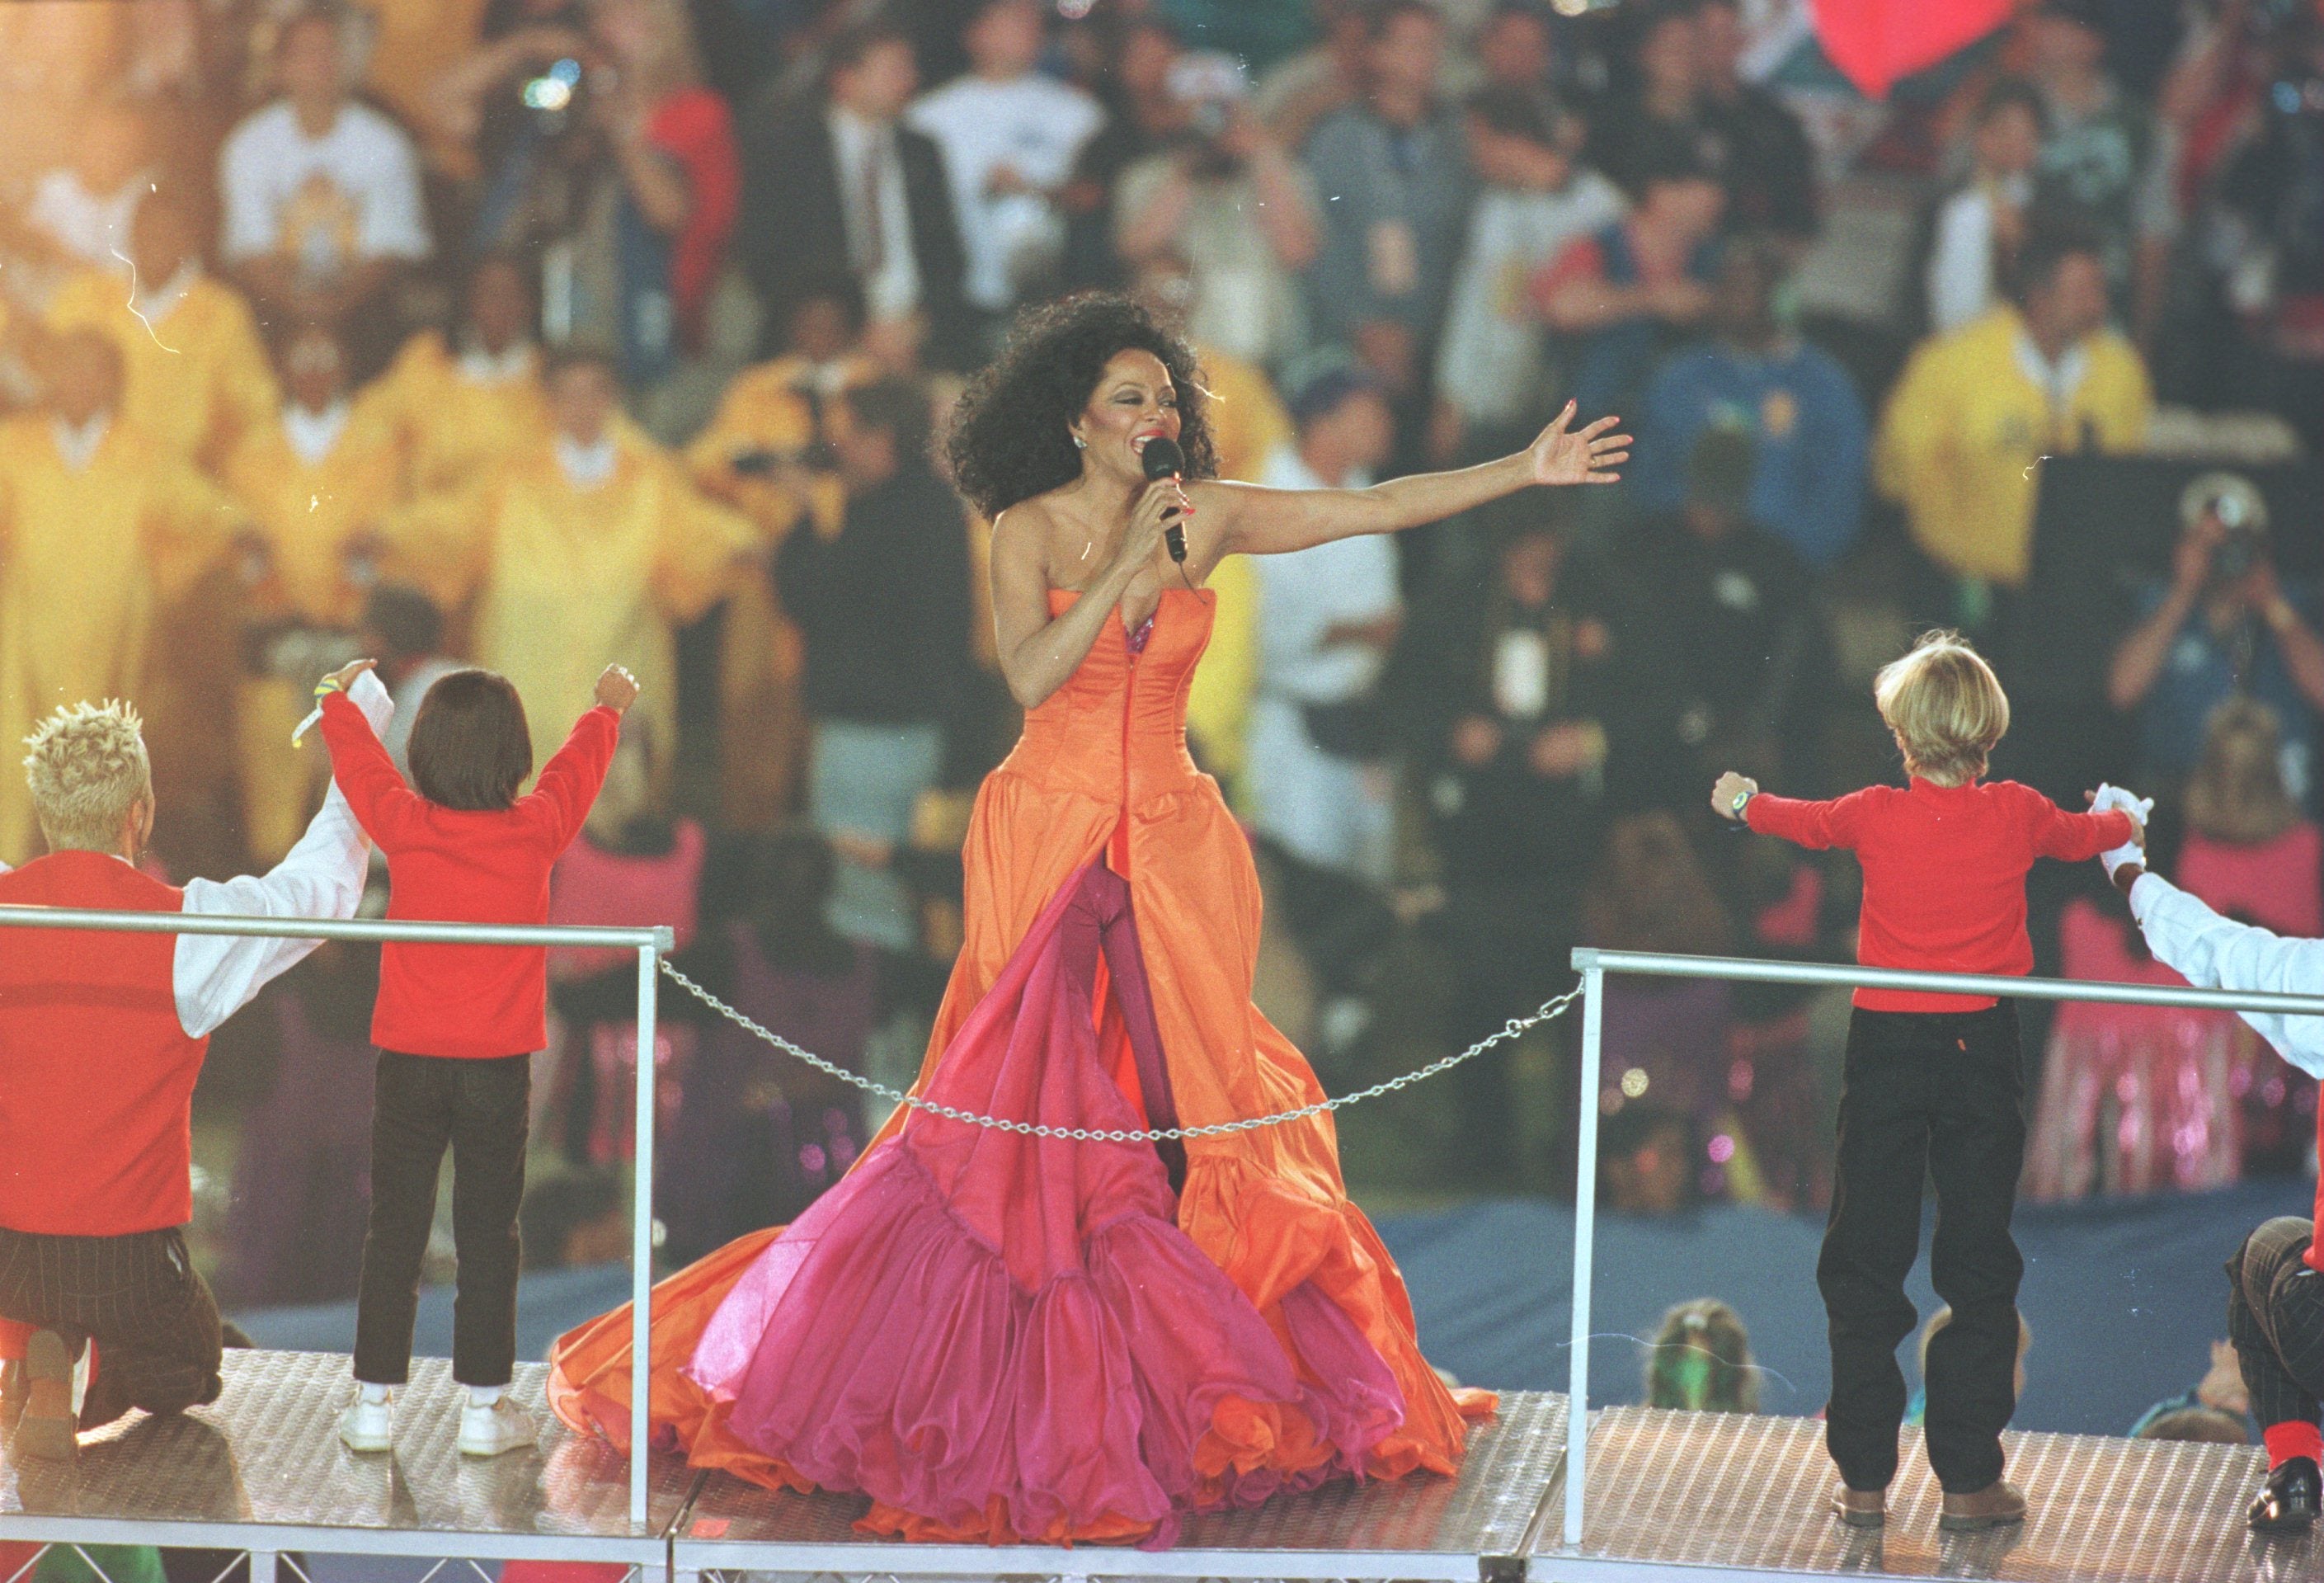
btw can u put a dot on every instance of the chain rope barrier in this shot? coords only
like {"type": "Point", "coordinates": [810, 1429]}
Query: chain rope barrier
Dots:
{"type": "Point", "coordinates": [1548, 1011]}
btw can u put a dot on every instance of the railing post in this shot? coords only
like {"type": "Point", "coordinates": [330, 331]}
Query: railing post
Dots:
{"type": "Point", "coordinates": [1585, 1227]}
{"type": "Point", "coordinates": [641, 1247]}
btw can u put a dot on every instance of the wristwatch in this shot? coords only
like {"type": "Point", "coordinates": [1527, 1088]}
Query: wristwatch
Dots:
{"type": "Point", "coordinates": [1742, 798]}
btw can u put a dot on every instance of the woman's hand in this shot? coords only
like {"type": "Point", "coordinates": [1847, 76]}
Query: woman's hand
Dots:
{"type": "Point", "coordinates": [1163, 506]}
{"type": "Point", "coordinates": [1730, 787]}
{"type": "Point", "coordinates": [617, 690]}
{"type": "Point", "coordinates": [1582, 457]}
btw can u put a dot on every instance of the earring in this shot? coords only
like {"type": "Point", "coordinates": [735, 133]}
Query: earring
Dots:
{"type": "Point", "coordinates": [1079, 443]}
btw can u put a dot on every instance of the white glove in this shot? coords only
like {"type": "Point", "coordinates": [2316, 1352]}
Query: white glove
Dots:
{"type": "Point", "coordinates": [2115, 799]}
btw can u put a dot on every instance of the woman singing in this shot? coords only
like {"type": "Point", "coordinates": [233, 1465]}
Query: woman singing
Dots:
{"type": "Point", "coordinates": [1005, 1338]}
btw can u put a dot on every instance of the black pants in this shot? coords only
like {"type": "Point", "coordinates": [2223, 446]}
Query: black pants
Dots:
{"type": "Point", "coordinates": [1939, 1095]}
{"type": "Point", "coordinates": [2275, 1317]}
{"type": "Point", "coordinates": [137, 1297]}
{"type": "Point", "coordinates": [480, 1109]}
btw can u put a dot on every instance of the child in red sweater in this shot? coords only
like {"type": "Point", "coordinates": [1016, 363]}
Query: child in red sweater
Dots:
{"type": "Point", "coordinates": [1933, 1084]}
{"type": "Point", "coordinates": [456, 1026]}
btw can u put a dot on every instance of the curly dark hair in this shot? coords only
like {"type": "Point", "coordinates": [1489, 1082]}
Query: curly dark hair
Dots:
{"type": "Point", "coordinates": [1009, 438]}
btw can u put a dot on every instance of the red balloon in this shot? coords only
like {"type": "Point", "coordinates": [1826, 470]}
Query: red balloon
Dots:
{"type": "Point", "coordinates": [1874, 42]}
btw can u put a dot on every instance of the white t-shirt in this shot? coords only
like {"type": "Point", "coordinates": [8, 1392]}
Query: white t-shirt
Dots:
{"type": "Point", "coordinates": [1033, 123]}
{"type": "Point", "coordinates": [1961, 262]}
{"type": "Point", "coordinates": [1490, 363]}
{"type": "Point", "coordinates": [1303, 595]}
{"type": "Point", "coordinates": [352, 194]}
{"type": "Point", "coordinates": [93, 227]}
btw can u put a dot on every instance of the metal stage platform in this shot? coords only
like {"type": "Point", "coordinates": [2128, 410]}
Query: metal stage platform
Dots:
{"type": "Point", "coordinates": [1677, 1498]}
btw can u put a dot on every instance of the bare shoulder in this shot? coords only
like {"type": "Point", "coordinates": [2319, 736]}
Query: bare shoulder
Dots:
{"type": "Point", "coordinates": [1022, 540]}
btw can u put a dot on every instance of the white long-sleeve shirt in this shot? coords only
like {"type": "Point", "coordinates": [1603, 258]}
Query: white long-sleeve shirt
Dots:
{"type": "Point", "coordinates": [213, 976]}
{"type": "Point", "coordinates": [2212, 952]}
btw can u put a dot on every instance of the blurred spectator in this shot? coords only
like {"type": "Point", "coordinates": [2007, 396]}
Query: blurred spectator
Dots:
{"type": "Point", "coordinates": [1239, 210]}
{"type": "Point", "coordinates": [1793, 401]}
{"type": "Point", "coordinates": [80, 212]}
{"type": "Point", "coordinates": [1393, 176]}
{"type": "Point", "coordinates": [402, 628]}
{"type": "Point", "coordinates": [625, 178]}
{"type": "Point", "coordinates": [1297, 95]}
{"type": "Point", "coordinates": [295, 1224]}
{"type": "Point", "coordinates": [2133, 1099]}
{"type": "Point", "coordinates": [839, 186]}
{"type": "Point", "coordinates": [1974, 410]}
{"type": "Point", "coordinates": [2142, 1099]}
{"type": "Point", "coordinates": [1536, 197]}
{"type": "Point", "coordinates": [1763, 154]}
{"type": "Point", "coordinates": [1010, 137]}
{"type": "Point", "coordinates": [2267, 238]}
{"type": "Point", "coordinates": [1916, 1410]}
{"type": "Point", "coordinates": [881, 600]}
{"type": "Point", "coordinates": [460, 403]}
{"type": "Point", "coordinates": [584, 548]}
{"type": "Point", "coordinates": [1514, 48]}
{"type": "Point", "coordinates": [759, 1133]}
{"type": "Point", "coordinates": [1666, 1040]}
{"type": "Point", "coordinates": [1645, 1162]}
{"type": "Point", "coordinates": [1249, 425]}
{"type": "Point", "coordinates": [1700, 1361]}
{"type": "Point", "coordinates": [1656, 105]}
{"type": "Point", "coordinates": [2216, 1411]}
{"type": "Point", "coordinates": [1535, 720]}
{"type": "Point", "coordinates": [1143, 117]}
{"type": "Point", "coordinates": [101, 525]}
{"type": "Point", "coordinates": [2222, 625]}
{"type": "Point", "coordinates": [2248, 850]}
{"type": "Point", "coordinates": [633, 866]}
{"type": "Point", "coordinates": [768, 453]}
{"type": "Point", "coordinates": [195, 373]}
{"type": "Point", "coordinates": [1318, 785]}
{"type": "Point", "coordinates": [2202, 1425]}
{"type": "Point", "coordinates": [1980, 228]}
{"type": "Point", "coordinates": [1319, 791]}
{"type": "Point", "coordinates": [2103, 154]}
{"type": "Point", "coordinates": [1742, 629]}
{"type": "Point", "coordinates": [1626, 293]}
{"type": "Point", "coordinates": [578, 1219]}
{"type": "Point", "coordinates": [314, 482]}
{"type": "Point", "coordinates": [322, 193]}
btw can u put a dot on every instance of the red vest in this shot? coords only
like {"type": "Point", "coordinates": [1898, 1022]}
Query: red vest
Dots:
{"type": "Point", "coordinates": [97, 1074]}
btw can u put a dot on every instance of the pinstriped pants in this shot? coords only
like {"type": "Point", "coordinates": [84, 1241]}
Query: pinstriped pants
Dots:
{"type": "Point", "coordinates": [138, 1297]}
{"type": "Point", "coordinates": [2275, 1317]}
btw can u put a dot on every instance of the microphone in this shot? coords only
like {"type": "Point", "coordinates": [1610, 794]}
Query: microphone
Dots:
{"type": "Point", "coordinates": [1162, 459]}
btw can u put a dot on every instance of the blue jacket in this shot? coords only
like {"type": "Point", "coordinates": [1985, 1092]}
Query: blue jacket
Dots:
{"type": "Point", "coordinates": [1807, 422]}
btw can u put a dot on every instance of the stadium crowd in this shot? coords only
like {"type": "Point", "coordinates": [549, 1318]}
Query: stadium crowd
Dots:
{"type": "Point", "coordinates": [546, 334]}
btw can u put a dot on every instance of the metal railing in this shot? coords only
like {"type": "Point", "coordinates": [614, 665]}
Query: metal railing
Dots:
{"type": "Point", "coordinates": [649, 943]}
{"type": "Point", "coordinates": [1595, 964]}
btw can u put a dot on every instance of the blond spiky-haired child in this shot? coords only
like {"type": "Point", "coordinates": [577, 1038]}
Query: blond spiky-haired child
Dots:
{"type": "Point", "coordinates": [1933, 1084]}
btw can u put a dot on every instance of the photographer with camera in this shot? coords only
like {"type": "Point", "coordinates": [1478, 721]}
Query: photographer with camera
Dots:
{"type": "Point", "coordinates": [2223, 625]}
{"type": "Point", "coordinates": [1238, 208]}
{"type": "Point", "coordinates": [607, 158]}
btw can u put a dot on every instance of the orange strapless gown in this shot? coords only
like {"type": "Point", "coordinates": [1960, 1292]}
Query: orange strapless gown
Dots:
{"type": "Point", "coordinates": [1102, 775]}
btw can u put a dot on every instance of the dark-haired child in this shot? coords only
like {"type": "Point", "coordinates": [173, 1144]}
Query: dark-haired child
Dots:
{"type": "Point", "coordinates": [457, 1025]}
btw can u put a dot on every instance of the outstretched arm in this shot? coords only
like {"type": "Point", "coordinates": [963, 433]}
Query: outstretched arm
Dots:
{"type": "Point", "coordinates": [1252, 521]}
{"type": "Point", "coordinates": [2212, 952]}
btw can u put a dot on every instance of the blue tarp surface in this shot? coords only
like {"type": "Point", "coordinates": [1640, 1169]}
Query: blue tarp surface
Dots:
{"type": "Point", "coordinates": [2124, 1297]}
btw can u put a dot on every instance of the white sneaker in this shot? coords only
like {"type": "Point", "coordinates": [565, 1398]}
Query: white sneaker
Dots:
{"type": "Point", "coordinates": [487, 1431]}
{"type": "Point", "coordinates": [368, 1426]}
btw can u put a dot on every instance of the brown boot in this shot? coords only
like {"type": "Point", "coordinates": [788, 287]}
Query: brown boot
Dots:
{"type": "Point", "coordinates": [48, 1430]}
{"type": "Point", "coordinates": [1861, 1508]}
{"type": "Point", "coordinates": [1996, 1505]}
